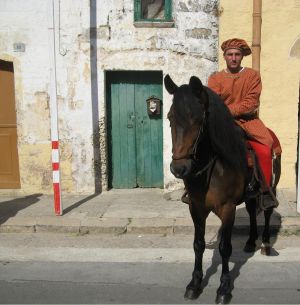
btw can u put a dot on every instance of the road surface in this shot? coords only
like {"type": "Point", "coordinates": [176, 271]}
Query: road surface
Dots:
{"type": "Point", "coordinates": [58, 268]}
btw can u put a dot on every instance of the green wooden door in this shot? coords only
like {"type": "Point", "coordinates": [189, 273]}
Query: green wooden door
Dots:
{"type": "Point", "coordinates": [135, 138]}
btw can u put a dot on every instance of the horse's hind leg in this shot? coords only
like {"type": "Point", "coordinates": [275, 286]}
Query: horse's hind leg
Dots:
{"type": "Point", "coordinates": [265, 246]}
{"type": "Point", "coordinates": [225, 248]}
{"type": "Point", "coordinates": [250, 245]}
{"type": "Point", "coordinates": [193, 289]}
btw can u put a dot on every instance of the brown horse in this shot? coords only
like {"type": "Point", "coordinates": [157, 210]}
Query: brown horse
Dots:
{"type": "Point", "coordinates": [209, 154]}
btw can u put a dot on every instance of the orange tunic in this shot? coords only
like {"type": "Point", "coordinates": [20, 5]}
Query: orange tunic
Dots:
{"type": "Point", "coordinates": [241, 92]}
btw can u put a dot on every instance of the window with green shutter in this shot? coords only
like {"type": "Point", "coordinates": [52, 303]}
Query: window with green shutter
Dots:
{"type": "Point", "coordinates": [153, 13]}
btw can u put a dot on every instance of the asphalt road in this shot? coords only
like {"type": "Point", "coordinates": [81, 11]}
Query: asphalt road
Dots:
{"type": "Point", "coordinates": [45, 268]}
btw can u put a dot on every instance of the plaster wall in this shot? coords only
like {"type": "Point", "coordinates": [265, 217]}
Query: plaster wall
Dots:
{"type": "Point", "coordinates": [26, 22]}
{"type": "Point", "coordinates": [189, 48]}
{"type": "Point", "coordinates": [280, 67]}
{"type": "Point", "coordinates": [91, 40]}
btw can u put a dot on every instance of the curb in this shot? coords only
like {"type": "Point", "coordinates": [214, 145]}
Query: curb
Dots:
{"type": "Point", "coordinates": [116, 226]}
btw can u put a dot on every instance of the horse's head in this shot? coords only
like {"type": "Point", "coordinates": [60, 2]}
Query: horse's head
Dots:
{"type": "Point", "coordinates": [187, 117]}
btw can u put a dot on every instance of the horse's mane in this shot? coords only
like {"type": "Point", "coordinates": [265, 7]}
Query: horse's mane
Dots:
{"type": "Point", "coordinates": [225, 136]}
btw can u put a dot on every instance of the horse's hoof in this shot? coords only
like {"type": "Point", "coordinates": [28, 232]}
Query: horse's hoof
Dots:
{"type": "Point", "coordinates": [224, 298]}
{"type": "Point", "coordinates": [265, 251]}
{"type": "Point", "coordinates": [249, 248]}
{"type": "Point", "coordinates": [265, 248]}
{"type": "Point", "coordinates": [192, 294]}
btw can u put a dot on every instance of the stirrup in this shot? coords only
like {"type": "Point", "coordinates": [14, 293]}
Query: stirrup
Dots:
{"type": "Point", "coordinates": [267, 201]}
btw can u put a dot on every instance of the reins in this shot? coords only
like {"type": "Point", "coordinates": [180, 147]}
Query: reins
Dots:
{"type": "Point", "coordinates": [199, 136]}
{"type": "Point", "coordinates": [209, 166]}
{"type": "Point", "coordinates": [200, 133]}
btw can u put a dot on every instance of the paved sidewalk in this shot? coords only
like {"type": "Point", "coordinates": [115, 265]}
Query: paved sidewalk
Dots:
{"type": "Point", "coordinates": [138, 211]}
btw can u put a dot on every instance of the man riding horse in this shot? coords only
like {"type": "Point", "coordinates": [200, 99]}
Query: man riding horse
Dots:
{"type": "Point", "coordinates": [240, 88]}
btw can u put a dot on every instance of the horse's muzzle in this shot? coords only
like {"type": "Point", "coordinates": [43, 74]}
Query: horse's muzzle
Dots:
{"type": "Point", "coordinates": [181, 168]}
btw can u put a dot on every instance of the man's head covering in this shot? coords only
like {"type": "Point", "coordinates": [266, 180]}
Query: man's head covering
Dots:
{"type": "Point", "coordinates": [236, 43]}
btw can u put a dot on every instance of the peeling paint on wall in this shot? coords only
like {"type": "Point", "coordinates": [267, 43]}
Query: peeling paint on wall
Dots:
{"type": "Point", "coordinates": [190, 48]}
{"type": "Point", "coordinates": [198, 33]}
{"type": "Point", "coordinates": [187, 49]}
{"type": "Point", "coordinates": [37, 174]}
{"type": "Point", "coordinates": [103, 153]}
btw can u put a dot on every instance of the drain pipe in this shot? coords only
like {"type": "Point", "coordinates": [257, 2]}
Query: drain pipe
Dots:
{"type": "Point", "coordinates": [256, 34]}
{"type": "Point", "coordinates": [53, 112]}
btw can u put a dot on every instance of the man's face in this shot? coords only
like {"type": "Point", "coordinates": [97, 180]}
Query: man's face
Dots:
{"type": "Point", "coordinates": [233, 58]}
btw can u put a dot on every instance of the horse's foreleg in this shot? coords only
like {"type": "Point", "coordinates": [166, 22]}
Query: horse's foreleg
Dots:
{"type": "Point", "coordinates": [225, 248]}
{"type": "Point", "coordinates": [265, 246]}
{"type": "Point", "coordinates": [250, 245]}
{"type": "Point", "coordinates": [193, 289]}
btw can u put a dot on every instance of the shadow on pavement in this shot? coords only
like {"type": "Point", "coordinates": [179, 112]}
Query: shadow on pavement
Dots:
{"type": "Point", "coordinates": [241, 259]}
{"type": "Point", "coordinates": [10, 208]}
{"type": "Point", "coordinates": [79, 203]}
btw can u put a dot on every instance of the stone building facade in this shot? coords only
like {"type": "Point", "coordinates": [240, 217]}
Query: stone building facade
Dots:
{"type": "Point", "coordinates": [93, 39]}
{"type": "Point", "coordinates": [97, 40]}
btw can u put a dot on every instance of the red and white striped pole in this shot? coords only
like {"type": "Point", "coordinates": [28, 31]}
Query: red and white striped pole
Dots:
{"type": "Point", "coordinates": [56, 178]}
{"type": "Point", "coordinates": [53, 113]}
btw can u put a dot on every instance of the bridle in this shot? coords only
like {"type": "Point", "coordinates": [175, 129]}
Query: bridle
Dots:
{"type": "Point", "coordinates": [194, 153]}
{"type": "Point", "coordinates": [199, 137]}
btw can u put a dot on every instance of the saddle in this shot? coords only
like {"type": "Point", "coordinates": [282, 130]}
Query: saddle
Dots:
{"type": "Point", "coordinates": [257, 187]}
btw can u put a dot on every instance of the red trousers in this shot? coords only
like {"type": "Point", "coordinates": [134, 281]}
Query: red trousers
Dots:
{"type": "Point", "coordinates": [264, 156]}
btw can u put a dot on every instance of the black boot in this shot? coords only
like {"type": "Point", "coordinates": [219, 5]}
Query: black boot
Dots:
{"type": "Point", "coordinates": [252, 190]}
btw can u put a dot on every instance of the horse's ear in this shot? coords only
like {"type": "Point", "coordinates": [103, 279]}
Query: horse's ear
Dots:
{"type": "Point", "coordinates": [196, 85]}
{"type": "Point", "coordinates": [169, 84]}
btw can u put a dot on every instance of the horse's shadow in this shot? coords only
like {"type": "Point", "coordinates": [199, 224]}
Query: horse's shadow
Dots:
{"type": "Point", "coordinates": [239, 258]}
{"type": "Point", "coordinates": [10, 208]}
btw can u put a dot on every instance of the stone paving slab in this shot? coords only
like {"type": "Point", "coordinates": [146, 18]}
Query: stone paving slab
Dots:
{"type": "Point", "coordinates": [54, 224]}
{"type": "Point", "coordinates": [290, 225]}
{"type": "Point", "coordinates": [18, 225]}
{"type": "Point", "coordinates": [95, 225]}
{"type": "Point", "coordinates": [183, 226]}
{"type": "Point", "coordinates": [138, 211]}
{"type": "Point", "coordinates": [151, 226]}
